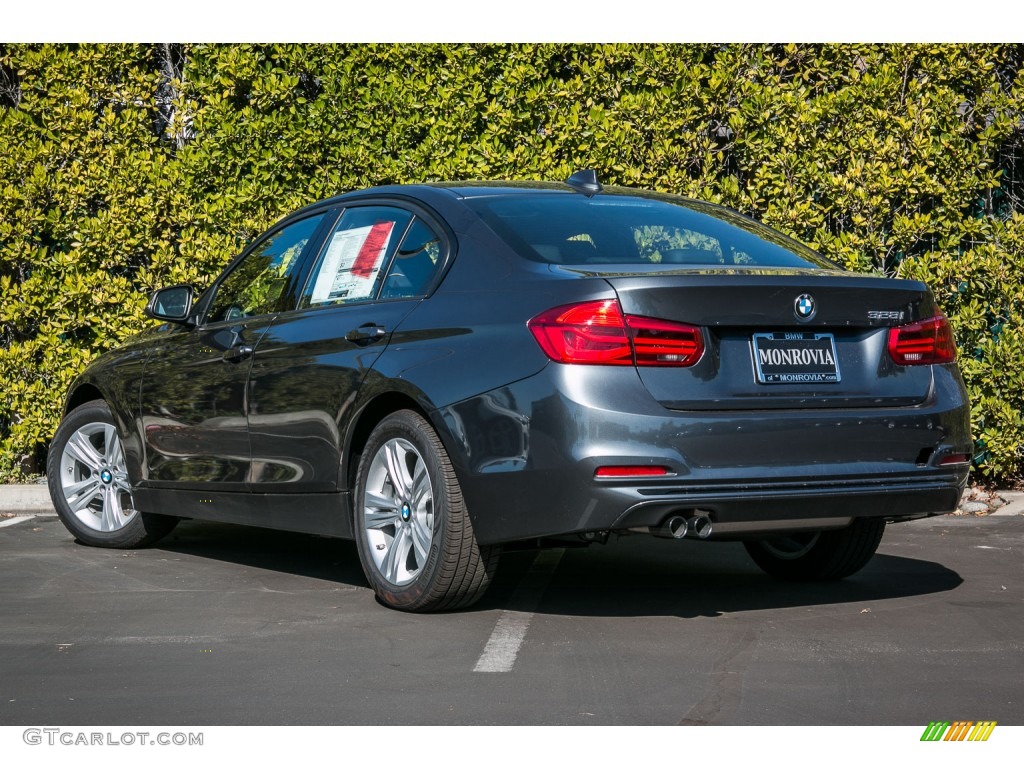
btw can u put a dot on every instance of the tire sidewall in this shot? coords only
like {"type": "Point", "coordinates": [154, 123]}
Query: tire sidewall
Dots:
{"type": "Point", "coordinates": [835, 555]}
{"type": "Point", "coordinates": [407, 426]}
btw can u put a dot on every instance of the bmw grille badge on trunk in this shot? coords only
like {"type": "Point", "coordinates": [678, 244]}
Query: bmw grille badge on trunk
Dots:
{"type": "Point", "coordinates": [804, 307]}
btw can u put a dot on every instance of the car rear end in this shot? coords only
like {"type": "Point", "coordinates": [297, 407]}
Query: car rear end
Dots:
{"type": "Point", "coordinates": [717, 381]}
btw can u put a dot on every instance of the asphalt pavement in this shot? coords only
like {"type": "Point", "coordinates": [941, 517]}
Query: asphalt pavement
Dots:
{"type": "Point", "coordinates": [225, 625]}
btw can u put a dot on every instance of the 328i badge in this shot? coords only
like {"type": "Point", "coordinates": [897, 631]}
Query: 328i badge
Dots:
{"type": "Point", "coordinates": [439, 370]}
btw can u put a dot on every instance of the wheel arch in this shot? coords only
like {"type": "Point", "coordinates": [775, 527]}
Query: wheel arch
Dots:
{"type": "Point", "coordinates": [82, 394]}
{"type": "Point", "coordinates": [87, 389]}
{"type": "Point", "coordinates": [370, 415]}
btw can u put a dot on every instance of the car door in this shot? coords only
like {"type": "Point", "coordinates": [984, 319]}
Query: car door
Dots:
{"type": "Point", "coordinates": [193, 396]}
{"type": "Point", "coordinates": [311, 362]}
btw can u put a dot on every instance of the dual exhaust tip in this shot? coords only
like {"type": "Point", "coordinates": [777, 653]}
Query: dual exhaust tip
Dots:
{"type": "Point", "coordinates": [679, 527]}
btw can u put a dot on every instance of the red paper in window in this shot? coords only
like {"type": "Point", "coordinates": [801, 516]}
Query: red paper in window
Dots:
{"type": "Point", "coordinates": [369, 255]}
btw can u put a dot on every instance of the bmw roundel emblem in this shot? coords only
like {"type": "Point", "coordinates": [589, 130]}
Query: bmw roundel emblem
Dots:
{"type": "Point", "coordinates": [804, 306]}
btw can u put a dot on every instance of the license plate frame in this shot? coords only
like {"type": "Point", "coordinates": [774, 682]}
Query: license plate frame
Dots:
{"type": "Point", "coordinates": [795, 357]}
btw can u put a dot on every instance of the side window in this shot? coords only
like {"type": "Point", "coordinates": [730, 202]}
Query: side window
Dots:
{"type": "Point", "coordinates": [350, 267]}
{"type": "Point", "coordinates": [672, 245]}
{"type": "Point", "coordinates": [415, 263]}
{"type": "Point", "coordinates": [257, 285]}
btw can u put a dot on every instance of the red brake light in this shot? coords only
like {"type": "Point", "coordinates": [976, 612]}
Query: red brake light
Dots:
{"type": "Point", "coordinates": [597, 333]}
{"type": "Point", "coordinates": [924, 343]}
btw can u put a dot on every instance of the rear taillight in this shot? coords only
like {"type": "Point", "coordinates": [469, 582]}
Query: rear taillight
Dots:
{"type": "Point", "coordinates": [593, 332]}
{"type": "Point", "coordinates": [598, 333]}
{"type": "Point", "coordinates": [659, 342]}
{"type": "Point", "coordinates": [924, 343]}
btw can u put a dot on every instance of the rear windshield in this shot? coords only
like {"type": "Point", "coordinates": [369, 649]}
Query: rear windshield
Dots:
{"type": "Point", "coordinates": [561, 228]}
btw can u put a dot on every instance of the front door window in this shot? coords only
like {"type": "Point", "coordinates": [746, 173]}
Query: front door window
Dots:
{"type": "Point", "coordinates": [260, 284]}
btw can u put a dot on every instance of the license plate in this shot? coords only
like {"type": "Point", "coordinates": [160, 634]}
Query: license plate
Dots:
{"type": "Point", "coordinates": [795, 357]}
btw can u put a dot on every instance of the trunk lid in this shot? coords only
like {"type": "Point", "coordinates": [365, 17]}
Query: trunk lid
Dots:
{"type": "Point", "coordinates": [779, 337]}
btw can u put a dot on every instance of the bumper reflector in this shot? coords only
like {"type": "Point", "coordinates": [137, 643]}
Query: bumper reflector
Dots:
{"type": "Point", "coordinates": [955, 458]}
{"type": "Point", "coordinates": [639, 471]}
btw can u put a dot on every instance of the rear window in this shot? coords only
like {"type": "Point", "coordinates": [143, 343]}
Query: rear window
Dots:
{"type": "Point", "coordinates": [564, 228]}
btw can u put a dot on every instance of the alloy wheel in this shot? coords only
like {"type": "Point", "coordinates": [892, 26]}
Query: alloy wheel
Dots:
{"type": "Point", "coordinates": [94, 478]}
{"type": "Point", "coordinates": [398, 511]}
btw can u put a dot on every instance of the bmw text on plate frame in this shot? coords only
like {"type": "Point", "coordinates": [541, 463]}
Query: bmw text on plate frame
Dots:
{"type": "Point", "coordinates": [439, 370]}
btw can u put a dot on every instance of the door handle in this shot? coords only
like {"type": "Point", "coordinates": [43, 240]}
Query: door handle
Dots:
{"type": "Point", "coordinates": [366, 333]}
{"type": "Point", "coordinates": [237, 353]}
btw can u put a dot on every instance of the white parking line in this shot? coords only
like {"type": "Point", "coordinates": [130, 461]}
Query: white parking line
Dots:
{"type": "Point", "coordinates": [499, 655]}
{"type": "Point", "coordinates": [15, 520]}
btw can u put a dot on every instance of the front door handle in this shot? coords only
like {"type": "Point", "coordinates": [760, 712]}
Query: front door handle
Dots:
{"type": "Point", "coordinates": [238, 353]}
{"type": "Point", "coordinates": [366, 333]}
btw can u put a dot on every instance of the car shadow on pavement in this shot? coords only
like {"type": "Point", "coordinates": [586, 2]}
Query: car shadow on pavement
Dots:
{"type": "Point", "coordinates": [649, 577]}
{"type": "Point", "coordinates": [300, 554]}
{"type": "Point", "coordinates": [634, 576]}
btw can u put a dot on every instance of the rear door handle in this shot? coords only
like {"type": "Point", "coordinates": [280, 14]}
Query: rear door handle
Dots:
{"type": "Point", "coordinates": [238, 353]}
{"type": "Point", "coordinates": [366, 333]}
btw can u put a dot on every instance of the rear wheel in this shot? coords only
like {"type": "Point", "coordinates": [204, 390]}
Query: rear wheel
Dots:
{"type": "Point", "coordinates": [88, 480]}
{"type": "Point", "coordinates": [818, 555]}
{"type": "Point", "coordinates": [415, 539]}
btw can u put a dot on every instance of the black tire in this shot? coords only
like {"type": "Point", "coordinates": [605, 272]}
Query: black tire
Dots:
{"type": "Point", "coordinates": [453, 571]}
{"type": "Point", "coordinates": [821, 555]}
{"type": "Point", "coordinates": [128, 528]}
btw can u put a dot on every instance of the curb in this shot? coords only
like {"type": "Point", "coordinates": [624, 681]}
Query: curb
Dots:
{"type": "Point", "coordinates": [25, 499]}
{"type": "Point", "coordinates": [1014, 504]}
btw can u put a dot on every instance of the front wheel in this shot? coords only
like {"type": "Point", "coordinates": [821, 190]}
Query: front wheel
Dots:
{"type": "Point", "coordinates": [818, 555]}
{"type": "Point", "coordinates": [88, 480]}
{"type": "Point", "coordinates": [414, 535]}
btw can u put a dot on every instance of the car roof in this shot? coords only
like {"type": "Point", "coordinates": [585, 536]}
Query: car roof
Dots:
{"type": "Point", "coordinates": [490, 188]}
{"type": "Point", "coordinates": [447, 191]}
{"type": "Point", "coordinates": [453, 189]}
{"type": "Point", "coordinates": [462, 190]}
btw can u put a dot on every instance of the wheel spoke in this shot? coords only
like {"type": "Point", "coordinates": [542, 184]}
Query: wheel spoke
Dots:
{"type": "Point", "coordinates": [379, 519]}
{"type": "Point", "coordinates": [118, 512]}
{"type": "Point", "coordinates": [71, 491]}
{"type": "Point", "coordinates": [86, 491]}
{"type": "Point", "coordinates": [110, 443]}
{"type": "Point", "coordinates": [397, 553]}
{"type": "Point", "coordinates": [394, 455]}
{"type": "Point", "coordinates": [420, 485]}
{"type": "Point", "coordinates": [84, 452]}
{"type": "Point", "coordinates": [379, 501]}
{"type": "Point", "coordinates": [108, 517]}
{"type": "Point", "coordinates": [115, 454]}
{"type": "Point", "coordinates": [420, 540]}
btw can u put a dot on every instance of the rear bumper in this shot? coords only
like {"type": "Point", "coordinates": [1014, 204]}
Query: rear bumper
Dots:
{"type": "Point", "coordinates": [526, 455]}
{"type": "Point", "coordinates": [740, 511]}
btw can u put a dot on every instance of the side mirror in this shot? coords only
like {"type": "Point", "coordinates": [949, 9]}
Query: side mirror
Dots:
{"type": "Point", "coordinates": [171, 305]}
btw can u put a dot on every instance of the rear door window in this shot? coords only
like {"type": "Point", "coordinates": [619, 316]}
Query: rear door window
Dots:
{"type": "Point", "coordinates": [355, 255]}
{"type": "Point", "coordinates": [415, 264]}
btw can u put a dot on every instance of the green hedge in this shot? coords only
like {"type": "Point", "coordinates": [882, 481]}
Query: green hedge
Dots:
{"type": "Point", "coordinates": [126, 167]}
